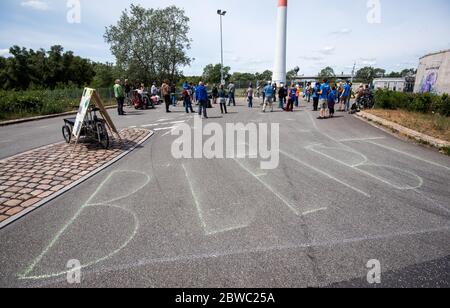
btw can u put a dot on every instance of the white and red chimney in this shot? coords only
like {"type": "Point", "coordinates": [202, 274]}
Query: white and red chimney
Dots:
{"type": "Point", "coordinates": [279, 71]}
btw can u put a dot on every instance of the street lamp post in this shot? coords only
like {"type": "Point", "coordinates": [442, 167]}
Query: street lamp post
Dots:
{"type": "Point", "coordinates": [222, 77]}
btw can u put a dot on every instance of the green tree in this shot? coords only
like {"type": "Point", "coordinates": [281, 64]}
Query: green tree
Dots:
{"type": "Point", "coordinates": [151, 44]}
{"type": "Point", "coordinates": [243, 78]}
{"type": "Point", "coordinates": [264, 76]}
{"type": "Point", "coordinates": [368, 74]}
{"type": "Point", "coordinates": [327, 73]}
{"type": "Point", "coordinates": [212, 73]}
{"type": "Point", "coordinates": [291, 75]}
{"type": "Point", "coordinates": [394, 75]}
{"type": "Point", "coordinates": [29, 69]}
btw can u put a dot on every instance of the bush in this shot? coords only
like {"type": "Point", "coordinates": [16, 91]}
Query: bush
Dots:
{"type": "Point", "coordinates": [19, 104]}
{"type": "Point", "coordinates": [392, 100]}
{"type": "Point", "coordinates": [443, 106]}
{"type": "Point", "coordinates": [423, 102]}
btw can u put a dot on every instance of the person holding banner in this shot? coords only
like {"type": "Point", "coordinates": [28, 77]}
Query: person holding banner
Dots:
{"type": "Point", "coordinates": [120, 97]}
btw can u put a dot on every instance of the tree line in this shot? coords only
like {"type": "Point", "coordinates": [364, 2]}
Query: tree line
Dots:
{"type": "Point", "coordinates": [41, 69]}
{"type": "Point", "coordinates": [150, 45]}
{"type": "Point", "coordinates": [367, 74]}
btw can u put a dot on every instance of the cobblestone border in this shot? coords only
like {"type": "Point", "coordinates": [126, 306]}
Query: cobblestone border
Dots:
{"type": "Point", "coordinates": [397, 128]}
{"type": "Point", "coordinates": [62, 190]}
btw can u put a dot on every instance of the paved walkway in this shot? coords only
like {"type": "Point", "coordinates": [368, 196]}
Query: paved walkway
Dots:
{"type": "Point", "coordinates": [31, 179]}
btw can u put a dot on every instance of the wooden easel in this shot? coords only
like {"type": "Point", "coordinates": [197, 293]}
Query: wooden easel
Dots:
{"type": "Point", "coordinates": [97, 102]}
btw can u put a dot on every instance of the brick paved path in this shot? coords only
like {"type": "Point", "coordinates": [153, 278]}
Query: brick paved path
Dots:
{"type": "Point", "coordinates": [30, 179]}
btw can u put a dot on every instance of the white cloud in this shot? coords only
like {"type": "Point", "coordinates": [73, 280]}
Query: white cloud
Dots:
{"type": "Point", "coordinates": [342, 31]}
{"type": "Point", "coordinates": [328, 50]}
{"type": "Point", "coordinates": [312, 58]}
{"type": "Point", "coordinates": [4, 52]}
{"type": "Point", "coordinates": [369, 61]}
{"type": "Point", "coordinates": [36, 5]}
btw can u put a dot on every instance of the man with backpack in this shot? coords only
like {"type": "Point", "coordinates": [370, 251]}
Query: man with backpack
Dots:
{"type": "Point", "coordinates": [187, 102]}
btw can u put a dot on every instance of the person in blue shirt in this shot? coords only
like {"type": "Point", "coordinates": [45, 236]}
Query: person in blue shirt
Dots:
{"type": "Point", "coordinates": [269, 94]}
{"type": "Point", "coordinates": [201, 94]}
{"type": "Point", "coordinates": [292, 95]}
{"type": "Point", "coordinates": [315, 96]}
{"type": "Point", "coordinates": [332, 101]}
{"type": "Point", "coordinates": [347, 94]}
{"type": "Point", "coordinates": [344, 99]}
{"type": "Point", "coordinates": [323, 95]}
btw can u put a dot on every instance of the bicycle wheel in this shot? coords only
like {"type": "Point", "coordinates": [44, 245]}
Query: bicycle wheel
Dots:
{"type": "Point", "coordinates": [67, 133]}
{"type": "Point", "coordinates": [103, 135]}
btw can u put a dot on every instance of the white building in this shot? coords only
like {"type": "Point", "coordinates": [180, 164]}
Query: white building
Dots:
{"type": "Point", "coordinates": [393, 84]}
{"type": "Point", "coordinates": [433, 74]}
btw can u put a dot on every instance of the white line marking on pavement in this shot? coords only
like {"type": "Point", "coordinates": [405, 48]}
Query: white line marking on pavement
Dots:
{"type": "Point", "coordinates": [261, 175]}
{"type": "Point", "coordinates": [372, 175]}
{"type": "Point", "coordinates": [409, 155]}
{"type": "Point", "coordinates": [312, 244]}
{"type": "Point", "coordinates": [172, 130]}
{"type": "Point", "coordinates": [279, 196]}
{"type": "Point", "coordinates": [314, 211]}
{"type": "Point", "coordinates": [361, 139]}
{"type": "Point", "coordinates": [325, 174]}
{"type": "Point", "coordinates": [196, 202]}
{"type": "Point", "coordinates": [433, 201]}
{"type": "Point", "coordinates": [164, 128]}
{"type": "Point", "coordinates": [200, 211]}
{"type": "Point", "coordinates": [162, 123]}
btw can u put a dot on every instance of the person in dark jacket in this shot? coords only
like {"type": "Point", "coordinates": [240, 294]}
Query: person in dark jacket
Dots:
{"type": "Point", "coordinates": [281, 96]}
{"type": "Point", "coordinates": [222, 99]}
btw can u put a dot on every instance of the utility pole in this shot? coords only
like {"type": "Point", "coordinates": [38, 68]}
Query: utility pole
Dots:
{"type": "Point", "coordinates": [222, 77]}
{"type": "Point", "coordinates": [353, 72]}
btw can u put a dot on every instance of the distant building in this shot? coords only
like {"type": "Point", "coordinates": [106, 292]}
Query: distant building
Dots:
{"type": "Point", "coordinates": [433, 74]}
{"type": "Point", "coordinates": [393, 84]}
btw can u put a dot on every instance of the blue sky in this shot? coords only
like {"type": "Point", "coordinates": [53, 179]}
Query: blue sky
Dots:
{"type": "Point", "coordinates": [320, 32]}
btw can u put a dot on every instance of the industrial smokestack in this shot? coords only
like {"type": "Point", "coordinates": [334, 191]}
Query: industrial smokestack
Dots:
{"type": "Point", "coordinates": [279, 71]}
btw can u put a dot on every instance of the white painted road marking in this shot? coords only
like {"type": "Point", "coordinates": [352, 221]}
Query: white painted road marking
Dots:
{"type": "Point", "coordinates": [325, 174]}
{"type": "Point", "coordinates": [409, 155]}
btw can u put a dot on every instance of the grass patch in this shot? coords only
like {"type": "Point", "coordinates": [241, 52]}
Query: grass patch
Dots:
{"type": "Point", "coordinates": [433, 125]}
{"type": "Point", "coordinates": [446, 150]}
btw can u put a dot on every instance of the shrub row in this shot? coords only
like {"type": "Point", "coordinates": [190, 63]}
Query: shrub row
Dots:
{"type": "Point", "coordinates": [423, 102]}
{"type": "Point", "coordinates": [18, 104]}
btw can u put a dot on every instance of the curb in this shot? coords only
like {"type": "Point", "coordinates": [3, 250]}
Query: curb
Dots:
{"type": "Point", "coordinates": [397, 128]}
{"type": "Point", "coordinates": [50, 116]}
{"type": "Point", "coordinates": [74, 184]}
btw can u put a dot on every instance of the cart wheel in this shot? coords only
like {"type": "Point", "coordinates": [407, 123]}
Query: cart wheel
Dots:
{"type": "Point", "coordinates": [67, 133]}
{"type": "Point", "coordinates": [104, 137]}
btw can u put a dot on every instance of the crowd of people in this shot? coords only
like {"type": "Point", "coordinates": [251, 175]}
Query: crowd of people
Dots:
{"type": "Point", "coordinates": [327, 99]}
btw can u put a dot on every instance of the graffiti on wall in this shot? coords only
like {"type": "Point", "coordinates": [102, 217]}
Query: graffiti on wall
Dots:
{"type": "Point", "coordinates": [429, 81]}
